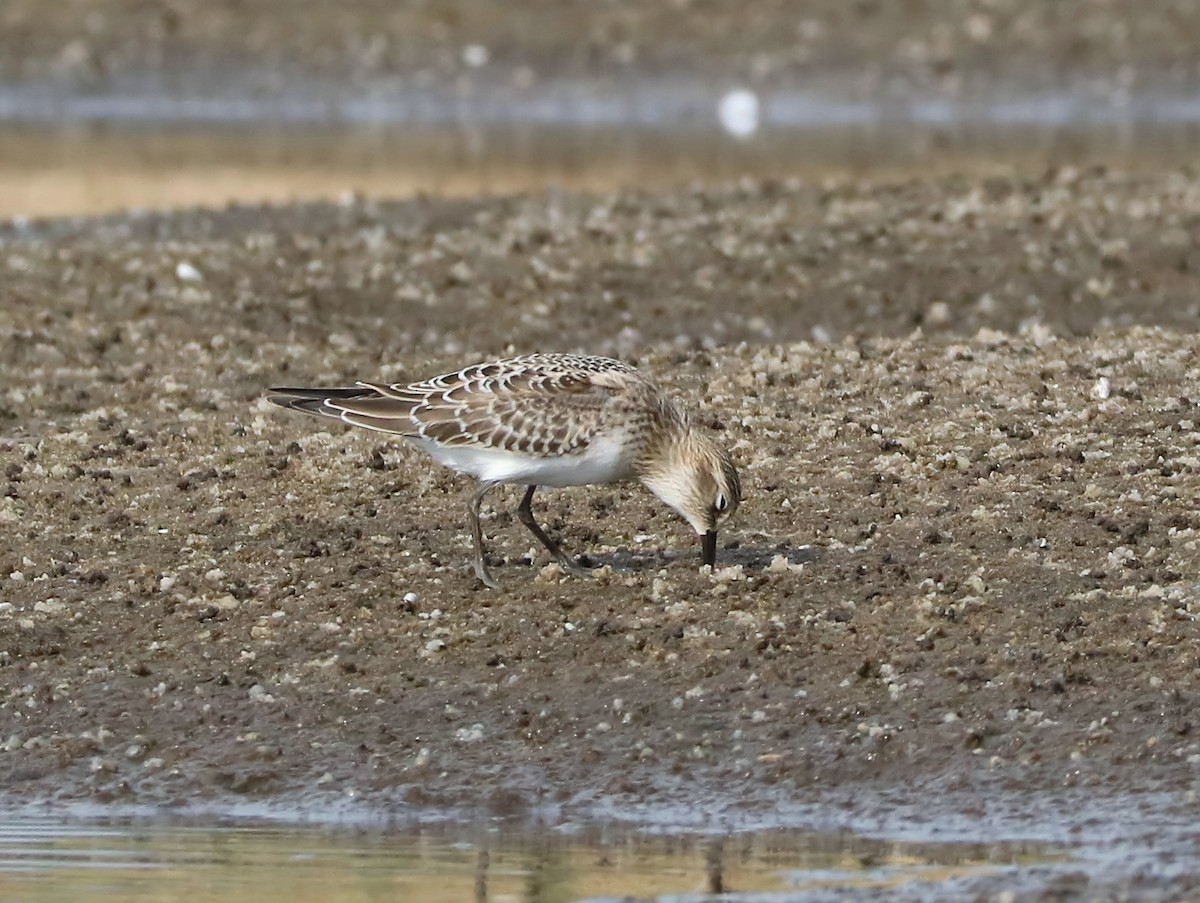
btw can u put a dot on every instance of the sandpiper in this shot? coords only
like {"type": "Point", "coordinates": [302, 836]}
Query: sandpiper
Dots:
{"type": "Point", "coordinates": [546, 420]}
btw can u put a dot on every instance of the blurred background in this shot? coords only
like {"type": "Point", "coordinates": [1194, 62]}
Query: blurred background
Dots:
{"type": "Point", "coordinates": [166, 103]}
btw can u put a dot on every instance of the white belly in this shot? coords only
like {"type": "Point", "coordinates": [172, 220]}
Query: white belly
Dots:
{"type": "Point", "coordinates": [601, 462]}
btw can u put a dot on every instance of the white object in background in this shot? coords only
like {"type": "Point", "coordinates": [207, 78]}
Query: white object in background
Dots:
{"type": "Point", "coordinates": [476, 55]}
{"type": "Point", "coordinates": [739, 112]}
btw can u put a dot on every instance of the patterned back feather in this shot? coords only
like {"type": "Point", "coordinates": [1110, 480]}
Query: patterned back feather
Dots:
{"type": "Point", "coordinates": [489, 405]}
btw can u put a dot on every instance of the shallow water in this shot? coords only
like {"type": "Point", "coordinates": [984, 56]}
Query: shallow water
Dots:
{"type": "Point", "coordinates": [49, 860]}
{"type": "Point", "coordinates": [80, 154]}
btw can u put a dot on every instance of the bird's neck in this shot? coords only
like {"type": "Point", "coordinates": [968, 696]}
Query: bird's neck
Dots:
{"type": "Point", "coordinates": [666, 445]}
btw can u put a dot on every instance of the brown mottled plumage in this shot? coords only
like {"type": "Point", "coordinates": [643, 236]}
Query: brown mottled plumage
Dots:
{"type": "Point", "coordinates": [546, 420]}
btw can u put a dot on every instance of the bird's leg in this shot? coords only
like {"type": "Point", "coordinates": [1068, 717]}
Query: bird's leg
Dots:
{"type": "Point", "coordinates": [481, 570]}
{"type": "Point", "coordinates": [525, 512]}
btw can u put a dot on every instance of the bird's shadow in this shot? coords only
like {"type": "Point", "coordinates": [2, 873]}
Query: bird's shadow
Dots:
{"type": "Point", "coordinates": [751, 556]}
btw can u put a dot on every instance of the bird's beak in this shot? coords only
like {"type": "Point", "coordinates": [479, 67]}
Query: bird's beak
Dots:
{"type": "Point", "coordinates": [710, 547]}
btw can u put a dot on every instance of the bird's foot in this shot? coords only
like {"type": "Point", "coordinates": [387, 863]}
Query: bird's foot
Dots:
{"type": "Point", "coordinates": [485, 576]}
{"type": "Point", "coordinates": [574, 568]}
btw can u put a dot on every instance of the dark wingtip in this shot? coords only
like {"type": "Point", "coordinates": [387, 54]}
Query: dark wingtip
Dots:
{"type": "Point", "coordinates": [319, 391]}
{"type": "Point", "coordinates": [312, 400]}
{"type": "Point", "coordinates": [304, 405]}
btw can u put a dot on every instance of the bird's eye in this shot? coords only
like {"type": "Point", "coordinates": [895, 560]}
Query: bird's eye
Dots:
{"type": "Point", "coordinates": [722, 502]}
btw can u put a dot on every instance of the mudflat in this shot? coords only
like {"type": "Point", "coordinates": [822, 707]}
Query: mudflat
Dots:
{"type": "Point", "coordinates": [965, 414]}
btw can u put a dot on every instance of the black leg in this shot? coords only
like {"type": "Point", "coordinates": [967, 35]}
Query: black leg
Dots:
{"type": "Point", "coordinates": [525, 512]}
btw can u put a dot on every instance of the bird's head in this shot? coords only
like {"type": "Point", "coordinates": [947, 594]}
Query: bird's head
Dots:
{"type": "Point", "coordinates": [696, 477]}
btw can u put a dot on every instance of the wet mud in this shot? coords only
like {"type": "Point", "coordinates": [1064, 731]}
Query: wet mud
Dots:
{"type": "Point", "coordinates": [965, 414]}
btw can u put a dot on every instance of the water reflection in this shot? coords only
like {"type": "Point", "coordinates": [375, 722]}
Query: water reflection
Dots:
{"type": "Point", "coordinates": [50, 861]}
{"type": "Point", "coordinates": [48, 170]}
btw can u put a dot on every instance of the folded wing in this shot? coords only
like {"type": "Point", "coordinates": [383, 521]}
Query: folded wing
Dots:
{"type": "Point", "coordinates": [539, 411]}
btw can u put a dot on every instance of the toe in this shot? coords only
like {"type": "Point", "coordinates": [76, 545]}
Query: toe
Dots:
{"type": "Point", "coordinates": [575, 568]}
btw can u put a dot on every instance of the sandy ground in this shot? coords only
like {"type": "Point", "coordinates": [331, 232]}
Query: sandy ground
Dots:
{"type": "Point", "coordinates": [966, 415]}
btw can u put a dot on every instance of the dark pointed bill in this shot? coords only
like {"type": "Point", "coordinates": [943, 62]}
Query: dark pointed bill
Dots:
{"type": "Point", "coordinates": [710, 547]}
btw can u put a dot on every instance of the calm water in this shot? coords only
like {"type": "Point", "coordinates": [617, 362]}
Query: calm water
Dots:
{"type": "Point", "coordinates": [62, 155]}
{"type": "Point", "coordinates": [46, 860]}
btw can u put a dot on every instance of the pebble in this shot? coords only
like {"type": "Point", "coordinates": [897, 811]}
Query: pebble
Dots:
{"type": "Point", "coordinates": [472, 734]}
{"type": "Point", "coordinates": [185, 272]}
{"type": "Point", "coordinates": [259, 694]}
